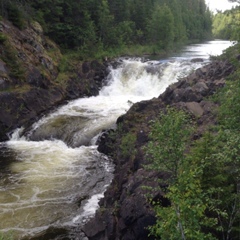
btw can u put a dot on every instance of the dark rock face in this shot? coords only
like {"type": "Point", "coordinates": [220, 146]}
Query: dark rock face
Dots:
{"type": "Point", "coordinates": [201, 83]}
{"type": "Point", "coordinates": [89, 80]}
{"type": "Point", "coordinates": [33, 91]}
{"type": "Point", "coordinates": [18, 109]}
{"type": "Point", "coordinates": [36, 79]}
{"type": "Point", "coordinates": [125, 212]}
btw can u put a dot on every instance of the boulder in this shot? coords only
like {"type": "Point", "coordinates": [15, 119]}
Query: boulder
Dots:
{"type": "Point", "coordinates": [195, 108]}
{"type": "Point", "coordinates": [195, 60]}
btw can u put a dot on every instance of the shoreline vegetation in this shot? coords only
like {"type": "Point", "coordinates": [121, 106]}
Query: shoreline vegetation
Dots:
{"type": "Point", "coordinates": [185, 165]}
{"type": "Point", "coordinates": [96, 29]}
{"type": "Point", "coordinates": [86, 30]}
{"type": "Point", "coordinates": [203, 183]}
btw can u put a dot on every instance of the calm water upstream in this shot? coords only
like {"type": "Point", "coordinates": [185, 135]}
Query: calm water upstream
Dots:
{"type": "Point", "coordinates": [52, 177]}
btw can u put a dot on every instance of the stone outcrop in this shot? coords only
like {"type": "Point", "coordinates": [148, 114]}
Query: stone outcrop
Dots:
{"type": "Point", "coordinates": [124, 212]}
{"type": "Point", "coordinates": [30, 79]}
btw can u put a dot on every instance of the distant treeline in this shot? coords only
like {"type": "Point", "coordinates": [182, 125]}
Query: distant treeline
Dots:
{"type": "Point", "coordinates": [226, 25]}
{"type": "Point", "coordinates": [104, 24]}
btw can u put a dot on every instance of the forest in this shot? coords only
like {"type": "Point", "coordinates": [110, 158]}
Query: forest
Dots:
{"type": "Point", "coordinates": [226, 24]}
{"type": "Point", "coordinates": [92, 26]}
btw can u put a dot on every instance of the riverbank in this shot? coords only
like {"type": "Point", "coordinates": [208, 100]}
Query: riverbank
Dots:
{"type": "Point", "coordinates": [35, 78]}
{"type": "Point", "coordinates": [125, 212]}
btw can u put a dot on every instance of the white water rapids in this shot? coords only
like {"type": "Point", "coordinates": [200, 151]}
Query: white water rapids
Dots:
{"type": "Point", "coordinates": [53, 176]}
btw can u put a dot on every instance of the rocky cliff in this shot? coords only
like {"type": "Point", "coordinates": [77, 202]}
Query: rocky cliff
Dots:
{"type": "Point", "coordinates": [124, 211]}
{"type": "Point", "coordinates": [31, 77]}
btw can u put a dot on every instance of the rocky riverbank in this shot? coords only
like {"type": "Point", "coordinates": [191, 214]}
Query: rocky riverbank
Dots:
{"type": "Point", "coordinates": [31, 79]}
{"type": "Point", "coordinates": [124, 211]}
{"type": "Point", "coordinates": [32, 83]}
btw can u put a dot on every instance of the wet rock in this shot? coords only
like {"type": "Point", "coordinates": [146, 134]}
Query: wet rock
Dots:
{"type": "Point", "coordinates": [125, 211]}
{"type": "Point", "coordinates": [17, 109]}
{"type": "Point", "coordinates": [34, 89]}
{"type": "Point", "coordinates": [195, 60]}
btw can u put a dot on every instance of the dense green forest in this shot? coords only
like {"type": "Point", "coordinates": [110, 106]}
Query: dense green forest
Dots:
{"type": "Point", "coordinates": [226, 25]}
{"type": "Point", "coordinates": [99, 25]}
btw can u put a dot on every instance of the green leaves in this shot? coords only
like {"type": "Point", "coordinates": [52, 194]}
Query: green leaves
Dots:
{"type": "Point", "coordinates": [226, 25]}
{"type": "Point", "coordinates": [108, 27]}
{"type": "Point", "coordinates": [127, 145]}
{"type": "Point", "coordinates": [204, 185]}
{"type": "Point", "coordinates": [161, 27]}
{"type": "Point", "coordinates": [169, 137]}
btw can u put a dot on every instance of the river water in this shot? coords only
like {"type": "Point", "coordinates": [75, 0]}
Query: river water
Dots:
{"type": "Point", "coordinates": [52, 177]}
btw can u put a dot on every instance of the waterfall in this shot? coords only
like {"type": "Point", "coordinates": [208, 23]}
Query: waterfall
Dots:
{"type": "Point", "coordinates": [55, 175]}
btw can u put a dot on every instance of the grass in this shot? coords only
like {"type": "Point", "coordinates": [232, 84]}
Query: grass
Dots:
{"type": "Point", "coordinates": [124, 50]}
{"type": "Point", "coordinates": [6, 236]}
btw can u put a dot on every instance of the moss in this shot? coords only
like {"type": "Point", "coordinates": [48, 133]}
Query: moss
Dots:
{"type": "Point", "coordinates": [10, 57]}
{"type": "Point", "coordinates": [127, 146]}
{"type": "Point", "coordinates": [62, 79]}
{"type": "Point", "coordinates": [53, 51]}
{"type": "Point", "coordinates": [18, 88]}
{"type": "Point", "coordinates": [6, 236]}
{"type": "Point", "coordinates": [3, 38]}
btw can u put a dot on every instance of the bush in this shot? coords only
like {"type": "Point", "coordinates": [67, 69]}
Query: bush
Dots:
{"type": "Point", "coordinates": [204, 187]}
{"type": "Point", "coordinates": [3, 38]}
{"type": "Point", "coordinates": [15, 15]}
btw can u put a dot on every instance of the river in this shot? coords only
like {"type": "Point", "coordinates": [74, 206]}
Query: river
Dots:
{"type": "Point", "coordinates": [52, 176]}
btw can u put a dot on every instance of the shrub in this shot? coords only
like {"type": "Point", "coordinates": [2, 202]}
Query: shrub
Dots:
{"type": "Point", "coordinates": [3, 38]}
{"type": "Point", "coordinates": [128, 145]}
{"type": "Point", "coordinates": [15, 15]}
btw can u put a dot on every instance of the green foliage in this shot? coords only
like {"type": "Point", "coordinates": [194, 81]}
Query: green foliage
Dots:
{"type": "Point", "coordinates": [3, 38]}
{"type": "Point", "coordinates": [204, 189]}
{"type": "Point", "coordinates": [15, 15]}
{"type": "Point", "coordinates": [127, 145]}
{"type": "Point", "coordinates": [107, 27]}
{"type": "Point", "coordinates": [219, 156]}
{"type": "Point", "coordinates": [169, 136]}
{"type": "Point", "coordinates": [6, 236]}
{"type": "Point", "coordinates": [184, 218]}
{"type": "Point", "coordinates": [226, 25]}
{"type": "Point", "coordinates": [161, 27]}
{"type": "Point", "coordinates": [11, 59]}
{"type": "Point", "coordinates": [230, 105]}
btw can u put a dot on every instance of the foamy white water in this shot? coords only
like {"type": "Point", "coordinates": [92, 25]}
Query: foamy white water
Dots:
{"type": "Point", "coordinates": [56, 175]}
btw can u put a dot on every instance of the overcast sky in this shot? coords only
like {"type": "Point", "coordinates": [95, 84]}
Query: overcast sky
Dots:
{"type": "Point", "coordinates": [219, 5]}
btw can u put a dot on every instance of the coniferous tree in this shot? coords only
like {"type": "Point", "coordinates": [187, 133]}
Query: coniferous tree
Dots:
{"type": "Point", "coordinates": [112, 23]}
{"type": "Point", "coordinates": [161, 26]}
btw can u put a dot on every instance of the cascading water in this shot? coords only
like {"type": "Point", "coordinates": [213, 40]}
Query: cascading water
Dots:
{"type": "Point", "coordinates": [53, 176]}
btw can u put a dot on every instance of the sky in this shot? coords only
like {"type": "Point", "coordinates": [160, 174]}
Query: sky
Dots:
{"type": "Point", "coordinates": [219, 5]}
